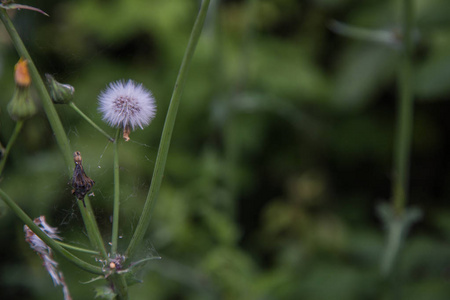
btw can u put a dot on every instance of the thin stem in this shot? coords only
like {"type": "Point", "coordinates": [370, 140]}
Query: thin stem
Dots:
{"type": "Point", "coordinates": [404, 114]}
{"type": "Point", "coordinates": [11, 142]}
{"type": "Point", "coordinates": [75, 248]}
{"type": "Point", "coordinates": [49, 241]}
{"type": "Point", "coordinates": [75, 108]}
{"type": "Point", "coordinates": [161, 158]}
{"type": "Point", "coordinates": [115, 224]}
{"type": "Point", "coordinates": [55, 123]}
{"type": "Point", "coordinates": [47, 104]}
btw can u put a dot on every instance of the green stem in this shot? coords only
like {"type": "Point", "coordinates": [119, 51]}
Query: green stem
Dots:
{"type": "Point", "coordinates": [49, 241]}
{"type": "Point", "coordinates": [47, 104]}
{"type": "Point", "coordinates": [404, 114]}
{"type": "Point", "coordinates": [91, 226]}
{"type": "Point", "coordinates": [115, 223]}
{"type": "Point", "coordinates": [75, 108]}
{"type": "Point", "coordinates": [161, 158]}
{"type": "Point", "coordinates": [120, 286]}
{"type": "Point", "coordinates": [11, 142]}
{"type": "Point", "coordinates": [55, 123]}
{"type": "Point", "coordinates": [75, 248]}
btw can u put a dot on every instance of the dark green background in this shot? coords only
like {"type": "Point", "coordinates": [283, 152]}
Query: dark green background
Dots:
{"type": "Point", "coordinates": [281, 151]}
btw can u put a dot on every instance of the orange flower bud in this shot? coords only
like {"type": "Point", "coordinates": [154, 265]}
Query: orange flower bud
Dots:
{"type": "Point", "coordinates": [21, 75]}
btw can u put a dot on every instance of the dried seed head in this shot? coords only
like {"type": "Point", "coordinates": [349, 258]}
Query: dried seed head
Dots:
{"type": "Point", "coordinates": [81, 183]}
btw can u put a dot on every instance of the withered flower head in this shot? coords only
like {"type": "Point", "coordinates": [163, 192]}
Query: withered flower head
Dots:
{"type": "Point", "coordinates": [81, 183]}
{"type": "Point", "coordinates": [46, 253]}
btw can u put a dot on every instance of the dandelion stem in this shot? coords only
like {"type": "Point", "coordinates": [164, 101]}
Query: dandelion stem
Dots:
{"type": "Point", "coordinates": [47, 104]}
{"type": "Point", "coordinates": [163, 150]}
{"type": "Point", "coordinates": [115, 223]}
{"type": "Point", "coordinates": [55, 123]}
{"type": "Point", "coordinates": [75, 108]}
{"type": "Point", "coordinates": [49, 241]}
{"type": "Point", "coordinates": [404, 114]}
{"type": "Point", "coordinates": [11, 142]}
{"type": "Point", "coordinates": [75, 248]}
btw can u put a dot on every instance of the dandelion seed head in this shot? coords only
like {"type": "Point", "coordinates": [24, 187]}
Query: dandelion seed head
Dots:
{"type": "Point", "coordinates": [127, 104]}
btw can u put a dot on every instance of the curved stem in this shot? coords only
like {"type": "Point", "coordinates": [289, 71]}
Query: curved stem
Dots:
{"type": "Point", "coordinates": [11, 142]}
{"type": "Point", "coordinates": [161, 158]}
{"type": "Point", "coordinates": [49, 241]}
{"type": "Point", "coordinates": [75, 108]}
{"type": "Point", "coordinates": [115, 223]}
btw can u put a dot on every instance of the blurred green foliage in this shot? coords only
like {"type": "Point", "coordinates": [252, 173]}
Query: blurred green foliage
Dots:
{"type": "Point", "coordinates": [281, 151]}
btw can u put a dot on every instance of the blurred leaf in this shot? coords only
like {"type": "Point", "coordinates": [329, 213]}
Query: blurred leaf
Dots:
{"type": "Point", "coordinates": [362, 71]}
{"type": "Point", "coordinates": [105, 292]}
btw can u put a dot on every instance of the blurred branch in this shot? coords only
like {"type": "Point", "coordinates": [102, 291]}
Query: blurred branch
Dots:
{"type": "Point", "coordinates": [390, 38]}
{"type": "Point", "coordinates": [404, 114]}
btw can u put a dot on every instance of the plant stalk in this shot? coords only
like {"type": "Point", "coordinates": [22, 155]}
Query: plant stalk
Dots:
{"type": "Point", "coordinates": [405, 114]}
{"type": "Point", "coordinates": [11, 142]}
{"type": "Point", "coordinates": [90, 223]}
{"type": "Point", "coordinates": [163, 150]}
{"type": "Point", "coordinates": [120, 286]}
{"type": "Point", "coordinates": [115, 223]}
